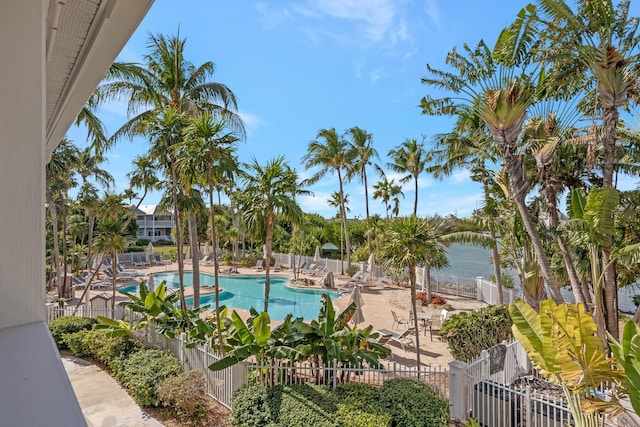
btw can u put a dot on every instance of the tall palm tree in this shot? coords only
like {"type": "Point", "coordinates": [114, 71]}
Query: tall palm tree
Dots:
{"type": "Point", "coordinates": [111, 239]}
{"type": "Point", "coordinates": [388, 191]}
{"type": "Point", "coordinates": [209, 154]}
{"type": "Point", "coordinates": [143, 176]}
{"type": "Point", "coordinates": [488, 85]}
{"type": "Point", "coordinates": [167, 79]}
{"type": "Point", "coordinates": [599, 45]}
{"type": "Point", "coordinates": [59, 179]}
{"type": "Point", "coordinates": [166, 132]}
{"type": "Point", "coordinates": [364, 154]}
{"type": "Point", "coordinates": [88, 165]}
{"type": "Point", "coordinates": [336, 201]}
{"type": "Point", "coordinates": [269, 189]}
{"type": "Point", "coordinates": [332, 154]}
{"type": "Point", "coordinates": [409, 158]}
{"type": "Point", "coordinates": [408, 242]}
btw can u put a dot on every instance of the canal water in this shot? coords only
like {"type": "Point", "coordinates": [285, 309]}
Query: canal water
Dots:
{"type": "Point", "coordinates": [466, 262]}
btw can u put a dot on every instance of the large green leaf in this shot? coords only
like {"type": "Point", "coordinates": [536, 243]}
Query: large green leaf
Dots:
{"type": "Point", "coordinates": [262, 329]}
{"type": "Point", "coordinates": [527, 329]}
{"type": "Point", "coordinates": [627, 353]}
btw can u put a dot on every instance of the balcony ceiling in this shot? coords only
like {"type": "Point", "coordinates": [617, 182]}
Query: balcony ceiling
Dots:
{"type": "Point", "coordinates": [83, 39]}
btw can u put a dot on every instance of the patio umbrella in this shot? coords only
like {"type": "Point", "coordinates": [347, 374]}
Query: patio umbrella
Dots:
{"type": "Point", "coordinates": [356, 297]}
{"type": "Point", "coordinates": [264, 251]}
{"type": "Point", "coordinates": [370, 263]}
{"type": "Point", "coordinates": [151, 284]}
{"type": "Point", "coordinates": [316, 257]}
{"type": "Point", "coordinates": [206, 248]}
{"type": "Point", "coordinates": [150, 252]}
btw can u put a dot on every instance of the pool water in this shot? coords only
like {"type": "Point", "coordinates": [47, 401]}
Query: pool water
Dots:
{"type": "Point", "coordinates": [248, 291]}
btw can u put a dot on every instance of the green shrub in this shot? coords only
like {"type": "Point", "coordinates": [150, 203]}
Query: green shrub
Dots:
{"type": "Point", "coordinates": [68, 325]}
{"type": "Point", "coordinates": [76, 343]}
{"type": "Point", "coordinates": [142, 242]}
{"type": "Point", "coordinates": [413, 403]}
{"type": "Point", "coordinates": [143, 371]}
{"type": "Point", "coordinates": [305, 405]}
{"type": "Point", "coordinates": [357, 406]}
{"type": "Point", "coordinates": [227, 258]}
{"type": "Point", "coordinates": [94, 340]}
{"type": "Point", "coordinates": [352, 270]}
{"type": "Point", "coordinates": [116, 351]}
{"type": "Point", "coordinates": [185, 394]}
{"type": "Point", "coordinates": [468, 333]}
{"type": "Point", "coordinates": [251, 406]}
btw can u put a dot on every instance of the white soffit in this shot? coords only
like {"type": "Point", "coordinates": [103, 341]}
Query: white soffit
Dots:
{"type": "Point", "coordinates": [83, 39]}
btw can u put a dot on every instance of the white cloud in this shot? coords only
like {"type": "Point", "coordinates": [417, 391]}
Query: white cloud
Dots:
{"type": "Point", "coordinates": [251, 122]}
{"type": "Point", "coordinates": [433, 11]}
{"type": "Point", "coordinates": [460, 176]}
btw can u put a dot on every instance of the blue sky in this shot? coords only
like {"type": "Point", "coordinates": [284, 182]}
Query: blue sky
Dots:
{"type": "Point", "coordinates": [299, 66]}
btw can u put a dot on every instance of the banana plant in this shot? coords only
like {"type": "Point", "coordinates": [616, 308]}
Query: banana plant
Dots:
{"type": "Point", "coordinates": [562, 343]}
{"type": "Point", "coordinates": [627, 352]}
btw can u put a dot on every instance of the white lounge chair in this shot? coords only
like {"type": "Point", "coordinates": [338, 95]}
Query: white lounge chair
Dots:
{"type": "Point", "coordinates": [277, 266]}
{"type": "Point", "coordinates": [258, 265]}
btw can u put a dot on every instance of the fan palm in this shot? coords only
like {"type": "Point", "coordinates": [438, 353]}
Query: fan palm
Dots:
{"type": "Point", "coordinates": [499, 93]}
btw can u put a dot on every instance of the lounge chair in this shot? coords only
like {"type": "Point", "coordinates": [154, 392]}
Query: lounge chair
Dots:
{"type": "Point", "coordinates": [277, 266]}
{"type": "Point", "coordinates": [320, 269]}
{"type": "Point", "coordinates": [206, 260]}
{"type": "Point", "coordinates": [367, 284]}
{"type": "Point", "coordinates": [119, 276]}
{"type": "Point", "coordinates": [299, 269]}
{"type": "Point", "coordinates": [258, 265]}
{"type": "Point", "coordinates": [136, 261]}
{"type": "Point", "coordinates": [157, 259]}
{"type": "Point", "coordinates": [404, 339]}
{"type": "Point", "coordinates": [384, 335]}
{"type": "Point", "coordinates": [166, 260]}
{"type": "Point", "coordinates": [309, 270]}
{"type": "Point", "coordinates": [398, 320]}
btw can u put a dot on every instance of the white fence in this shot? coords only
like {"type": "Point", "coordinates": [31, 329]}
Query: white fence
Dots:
{"type": "Point", "coordinates": [488, 292]}
{"type": "Point", "coordinates": [338, 373]}
{"type": "Point", "coordinates": [499, 389]}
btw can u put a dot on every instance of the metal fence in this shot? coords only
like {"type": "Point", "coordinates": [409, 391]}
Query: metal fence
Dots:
{"type": "Point", "coordinates": [339, 373]}
{"type": "Point", "coordinates": [499, 389]}
{"type": "Point", "coordinates": [55, 311]}
{"type": "Point", "coordinates": [219, 385]}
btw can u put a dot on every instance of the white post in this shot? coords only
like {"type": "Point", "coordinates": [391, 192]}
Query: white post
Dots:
{"type": "Point", "coordinates": [479, 288]}
{"type": "Point", "coordinates": [458, 390]}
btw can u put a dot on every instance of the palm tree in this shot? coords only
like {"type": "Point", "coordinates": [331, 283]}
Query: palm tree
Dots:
{"type": "Point", "coordinates": [336, 201]}
{"type": "Point", "coordinates": [500, 94]}
{"type": "Point", "coordinates": [88, 165]}
{"type": "Point", "coordinates": [168, 79]}
{"type": "Point", "coordinates": [409, 158]}
{"type": "Point", "coordinates": [143, 176]}
{"type": "Point", "coordinates": [59, 179]}
{"type": "Point", "coordinates": [598, 45]}
{"type": "Point", "coordinates": [111, 239]}
{"type": "Point", "coordinates": [408, 242]}
{"type": "Point", "coordinates": [269, 191]}
{"type": "Point", "coordinates": [210, 156]}
{"type": "Point", "coordinates": [364, 153]}
{"type": "Point", "coordinates": [388, 191]}
{"type": "Point", "coordinates": [332, 155]}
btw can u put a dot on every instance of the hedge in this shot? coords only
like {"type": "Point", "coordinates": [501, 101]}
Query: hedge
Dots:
{"type": "Point", "coordinates": [68, 325]}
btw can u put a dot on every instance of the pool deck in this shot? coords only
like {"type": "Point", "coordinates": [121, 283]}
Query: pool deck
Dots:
{"type": "Point", "coordinates": [378, 303]}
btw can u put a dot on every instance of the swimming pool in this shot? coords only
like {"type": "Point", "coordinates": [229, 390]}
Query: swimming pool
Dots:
{"type": "Point", "coordinates": [248, 291]}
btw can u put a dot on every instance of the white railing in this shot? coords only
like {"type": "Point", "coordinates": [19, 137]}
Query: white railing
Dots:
{"type": "Point", "coordinates": [55, 311]}
{"type": "Point", "coordinates": [488, 292]}
{"type": "Point", "coordinates": [487, 392]}
{"type": "Point", "coordinates": [338, 373]}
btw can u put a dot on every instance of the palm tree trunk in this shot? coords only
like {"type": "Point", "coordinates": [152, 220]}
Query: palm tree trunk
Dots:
{"type": "Point", "coordinates": [216, 280]}
{"type": "Point", "coordinates": [366, 206]}
{"type": "Point", "coordinates": [610, 104]}
{"type": "Point", "coordinates": [55, 256]}
{"type": "Point", "coordinates": [269, 240]}
{"type": "Point", "coordinates": [174, 189]}
{"type": "Point", "coordinates": [195, 257]}
{"type": "Point", "coordinates": [114, 271]}
{"type": "Point", "coordinates": [495, 257]}
{"type": "Point", "coordinates": [65, 268]}
{"type": "Point", "coordinates": [519, 189]}
{"type": "Point", "coordinates": [427, 272]}
{"type": "Point", "coordinates": [343, 213]}
{"type": "Point", "coordinates": [412, 280]}
{"type": "Point", "coordinates": [415, 201]}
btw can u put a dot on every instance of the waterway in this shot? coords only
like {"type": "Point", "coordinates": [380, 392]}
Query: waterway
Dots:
{"type": "Point", "coordinates": [467, 262]}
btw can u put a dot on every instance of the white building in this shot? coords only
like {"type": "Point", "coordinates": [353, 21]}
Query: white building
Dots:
{"type": "Point", "coordinates": [154, 224]}
{"type": "Point", "coordinates": [54, 53]}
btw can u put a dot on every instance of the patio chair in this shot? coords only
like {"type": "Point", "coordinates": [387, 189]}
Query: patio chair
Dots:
{"type": "Point", "coordinates": [404, 339]}
{"type": "Point", "coordinates": [166, 260]}
{"type": "Point", "coordinates": [157, 259]}
{"type": "Point", "coordinates": [302, 267]}
{"type": "Point", "coordinates": [435, 326]}
{"type": "Point", "coordinates": [136, 260]}
{"type": "Point", "coordinates": [119, 276]}
{"type": "Point", "coordinates": [258, 265]}
{"type": "Point", "coordinates": [277, 266]}
{"type": "Point", "coordinates": [375, 284]}
{"type": "Point", "coordinates": [320, 269]}
{"type": "Point", "coordinates": [398, 320]}
{"type": "Point", "coordinates": [308, 270]}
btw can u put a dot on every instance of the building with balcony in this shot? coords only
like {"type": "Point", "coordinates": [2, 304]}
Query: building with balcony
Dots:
{"type": "Point", "coordinates": [153, 223]}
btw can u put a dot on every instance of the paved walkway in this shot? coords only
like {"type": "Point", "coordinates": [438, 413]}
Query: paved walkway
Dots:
{"type": "Point", "coordinates": [103, 401]}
